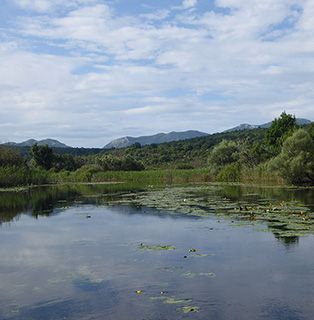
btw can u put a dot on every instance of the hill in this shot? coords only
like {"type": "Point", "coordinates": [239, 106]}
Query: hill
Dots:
{"type": "Point", "coordinates": [245, 126]}
{"type": "Point", "coordinates": [154, 139]}
{"type": "Point", "coordinates": [28, 143]}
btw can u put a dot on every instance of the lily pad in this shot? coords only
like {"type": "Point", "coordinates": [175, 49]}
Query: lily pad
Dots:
{"type": "Point", "coordinates": [189, 309]}
{"type": "Point", "coordinates": [210, 200]}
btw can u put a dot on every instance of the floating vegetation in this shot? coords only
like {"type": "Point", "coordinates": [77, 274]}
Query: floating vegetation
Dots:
{"type": "Point", "coordinates": [192, 275]}
{"type": "Point", "coordinates": [156, 247]}
{"type": "Point", "coordinates": [284, 219]}
{"type": "Point", "coordinates": [189, 309]}
{"type": "Point", "coordinates": [172, 300]}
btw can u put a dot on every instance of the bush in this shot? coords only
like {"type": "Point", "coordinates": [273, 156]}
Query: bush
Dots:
{"type": "Point", "coordinates": [113, 163]}
{"type": "Point", "coordinates": [184, 166]}
{"type": "Point", "coordinates": [224, 153]}
{"type": "Point", "coordinates": [86, 172]}
{"type": "Point", "coordinates": [9, 157]}
{"type": "Point", "coordinates": [229, 173]}
{"type": "Point", "coordinates": [295, 163]}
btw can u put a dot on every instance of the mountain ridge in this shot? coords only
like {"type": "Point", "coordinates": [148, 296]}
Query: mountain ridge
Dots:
{"type": "Point", "coordinates": [154, 139]}
{"type": "Point", "coordinates": [52, 143]}
{"type": "Point", "coordinates": [158, 138]}
{"type": "Point", "coordinates": [246, 126]}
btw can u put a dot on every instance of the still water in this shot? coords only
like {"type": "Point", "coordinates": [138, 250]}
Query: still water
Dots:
{"type": "Point", "coordinates": [78, 252]}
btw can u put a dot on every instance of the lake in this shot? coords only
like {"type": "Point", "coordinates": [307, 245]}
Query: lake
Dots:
{"type": "Point", "coordinates": [91, 252]}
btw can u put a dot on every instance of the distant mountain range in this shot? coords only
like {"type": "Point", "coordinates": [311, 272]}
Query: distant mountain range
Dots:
{"type": "Point", "coordinates": [245, 126]}
{"type": "Point", "coordinates": [28, 143]}
{"type": "Point", "coordinates": [146, 140]}
{"type": "Point", "coordinates": [154, 139]}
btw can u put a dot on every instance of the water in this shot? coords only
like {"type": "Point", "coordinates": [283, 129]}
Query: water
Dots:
{"type": "Point", "coordinates": [67, 254]}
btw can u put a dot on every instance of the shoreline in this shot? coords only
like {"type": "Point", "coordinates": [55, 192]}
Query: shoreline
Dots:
{"type": "Point", "coordinates": [240, 184]}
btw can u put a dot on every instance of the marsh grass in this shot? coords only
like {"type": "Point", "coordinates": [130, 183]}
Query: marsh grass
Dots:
{"type": "Point", "coordinates": [145, 178]}
{"type": "Point", "coordinates": [14, 176]}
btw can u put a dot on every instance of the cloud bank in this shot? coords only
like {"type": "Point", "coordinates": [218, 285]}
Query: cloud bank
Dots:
{"type": "Point", "coordinates": [87, 71]}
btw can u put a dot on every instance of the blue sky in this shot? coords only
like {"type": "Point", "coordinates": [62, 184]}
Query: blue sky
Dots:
{"type": "Point", "coordinates": [88, 71]}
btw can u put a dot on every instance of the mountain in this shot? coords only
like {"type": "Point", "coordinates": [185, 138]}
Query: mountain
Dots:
{"type": "Point", "coordinates": [154, 139]}
{"type": "Point", "coordinates": [28, 143]}
{"type": "Point", "coordinates": [245, 126]}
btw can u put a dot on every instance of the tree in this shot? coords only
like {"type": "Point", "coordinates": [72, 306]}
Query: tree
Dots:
{"type": "Point", "coordinates": [130, 164]}
{"type": "Point", "coordinates": [110, 162]}
{"type": "Point", "coordinates": [65, 162]}
{"type": "Point", "coordinates": [295, 162]}
{"type": "Point", "coordinates": [9, 157]}
{"type": "Point", "coordinates": [279, 130]}
{"type": "Point", "coordinates": [224, 153]}
{"type": "Point", "coordinates": [42, 155]}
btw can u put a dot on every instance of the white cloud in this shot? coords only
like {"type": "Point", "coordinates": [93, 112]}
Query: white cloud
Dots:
{"type": "Point", "coordinates": [173, 70]}
{"type": "Point", "coordinates": [186, 4]}
{"type": "Point", "coordinates": [36, 5]}
{"type": "Point", "coordinates": [49, 5]}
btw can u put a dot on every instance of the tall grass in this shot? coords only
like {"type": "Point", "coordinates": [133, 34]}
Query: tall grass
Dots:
{"type": "Point", "coordinates": [147, 177]}
{"type": "Point", "coordinates": [13, 176]}
{"type": "Point", "coordinates": [261, 175]}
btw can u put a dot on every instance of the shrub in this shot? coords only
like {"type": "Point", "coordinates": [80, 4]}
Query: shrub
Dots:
{"type": "Point", "coordinates": [224, 153]}
{"type": "Point", "coordinates": [295, 163]}
{"type": "Point", "coordinates": [9, 157]}
{"type": "Point", "coordinates": [229, 173]}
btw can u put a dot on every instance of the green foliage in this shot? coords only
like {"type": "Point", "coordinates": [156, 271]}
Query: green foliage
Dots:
{"type": "Point", "coordinates": [184, 166]}
{"type": "Point", "coordinates": [10, 157]}
{"type": "Point", "coordinates": [229, 173]}
{"type": "Point", "coordinates": [296, 161]}
{"type": "Point", "coordinates": [66, 162]}
{"type": "Point", "coordinates": [252, 154]}
{"type": "Point", "coordinates": [310, 129]}
{"type": "Point", "coordinates": [110, 162]}
{"type": "Point", "coordinates": [232, 156]}
{"type": "Point", "coordinates": [42, 155]}
{"type": "Point", "coordinates": [11, 176]}
{"type": "Point", "coordinates": [86, 172]}
{"type": "Point", "coordinates": [224, 153]}
{"type": "Point", "coordinates": [280, 129]}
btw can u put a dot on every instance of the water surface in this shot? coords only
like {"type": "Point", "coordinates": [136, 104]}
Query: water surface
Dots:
{"type": "Point", "coordinates": [83, 252]}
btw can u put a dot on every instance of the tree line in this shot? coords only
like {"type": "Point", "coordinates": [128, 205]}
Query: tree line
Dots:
{"type": "Point", "coordinates": [284, 149]}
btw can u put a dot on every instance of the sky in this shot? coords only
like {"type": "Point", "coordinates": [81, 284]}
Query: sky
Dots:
{"type": "Point", "coordinates": [88, 71]}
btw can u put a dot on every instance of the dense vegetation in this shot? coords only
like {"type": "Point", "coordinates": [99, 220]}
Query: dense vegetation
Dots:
{"type": "Point", "coordinates": [281, 154]}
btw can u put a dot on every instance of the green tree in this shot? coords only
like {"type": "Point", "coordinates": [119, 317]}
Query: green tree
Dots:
{"type": "Point", "coordinates": [295, 163]}
{"type": "Point", "coordinates": [42, 155]}
{"type": "Point", "coordinates": [65, 162]}
{"type": "Point", "coordinates": [279, 130]}
{"type": "Point", "coordinates": [130, 164]}
{"type": "Point", "coordinates": [224, 153]}
{"type": "Point", "coordinates": [9, 157]}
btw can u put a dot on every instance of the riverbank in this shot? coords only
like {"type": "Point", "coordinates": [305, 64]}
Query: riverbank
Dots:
{"type": "Point", "coordinates": [160, 177]}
